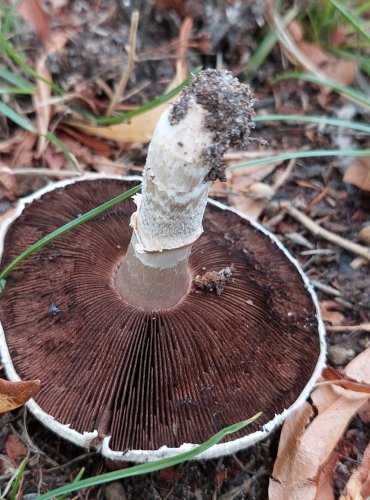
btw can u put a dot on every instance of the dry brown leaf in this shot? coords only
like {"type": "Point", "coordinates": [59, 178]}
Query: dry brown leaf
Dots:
{"type": "Point", "coordinates": [325, 479]}
{"type": "Point", "coordinates": [249, 183]}
{"type": "Point", "coordinates": [340, 69]}
{"type": "Point", "coordinates": [328, 314]}
{"type": "Point", "coordinates": [358, 486]}
{"type": "Point", "coordinates": [298, 477]}
{"type": "Point", "coordinates": [15, 394]}
{"type": "Point", "coordinates": [33, 13]}
{"type": "Point", "coordinates": [15, 449]}
{"type": "Point", "coordinates": [359, 173]}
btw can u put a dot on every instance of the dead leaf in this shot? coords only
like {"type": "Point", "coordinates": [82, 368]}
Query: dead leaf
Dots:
{"type": "Point", "coordinates": [15, 449]}
{"type": "Point", "coordinates": [329, 313]}
{"type": "Point", "coordinates": [359, 173]}
{"type": "Point", "coordinates": [339, 69]}
{"type": "Point", "coordinates": [325, 479]}
{"type": "Point", "coordinates": [358, 486]}
{"type": "Point", "coordinates": [33, 13]}
{"type": "Point", "coordinates": [306, 447]}
{"type": "Point", "coordinates": [15, 394]}
{"type": "Point", "coordinates": [254, 195]}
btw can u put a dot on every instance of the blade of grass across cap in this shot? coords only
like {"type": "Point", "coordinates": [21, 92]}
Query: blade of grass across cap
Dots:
{"type": "Point", "coordinates": [64, 229]}
{"type": "Point", "coordinates": [299, 154]}
{"type": "Point", "coordinates": [319, 120]}
{"type": "Point", "coordinates": [150, 466]}
{"type": "Point", "coordinates": [354, 20]}
{"type": "Point", "coordinates": [349, 92]}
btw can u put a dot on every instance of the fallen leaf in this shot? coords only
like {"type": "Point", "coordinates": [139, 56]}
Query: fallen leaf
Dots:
{"type": "Point", "coordinates": [254, 195]}
{"type": "Point", "coordinates": [358, 486]}
{"type": "Point", "coordinates": [325, 479]}
{"type": "Point", "coordinates": [329, 314]}
{"type": "Point", "coordinates": [358, 173]}
{"type": "Point", "coordinates": [170, 474]}
{"type": "Point", "coordinates": [15, 394]}
{"type": "Point", "coordinates": [15, 449]}
{"type": "Point", "coordinates": [305, 447]}
{"type": "Point", "coordinates": [33, 13]}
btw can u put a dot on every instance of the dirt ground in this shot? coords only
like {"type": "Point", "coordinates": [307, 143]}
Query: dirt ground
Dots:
{"type": "Point", "coordinates": [223, 33]}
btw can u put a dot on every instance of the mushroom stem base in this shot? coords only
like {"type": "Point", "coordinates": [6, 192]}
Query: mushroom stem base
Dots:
{"type": "Point", "coordinates": [155, 280]}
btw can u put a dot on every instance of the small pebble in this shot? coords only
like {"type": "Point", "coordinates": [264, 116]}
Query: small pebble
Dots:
{"type": "Point", "coordinates": [114, 491]}
{"type": "Point", "coordinates": [364, 235]}
{"type": "Point", "coordinates": [340, 355]}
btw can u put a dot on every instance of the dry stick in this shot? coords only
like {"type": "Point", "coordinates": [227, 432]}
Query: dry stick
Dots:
{"type": "Point", "coordinates": [130, 64]}
{"type": "Point", "coordinates": [348, 328]}
{"type": "Point", "coordinates": [40, 171]}
{"type": "Point", "coordinates": [317, 230]}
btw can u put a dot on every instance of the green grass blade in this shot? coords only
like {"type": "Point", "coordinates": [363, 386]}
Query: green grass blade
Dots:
{"type": "Point", "coordinates": [16, 80]}
{"type": "Point", "coordinates": [355, 21]}
{"type": "Point", "coordinates": [77, 478]}
{"type": "Point", "coordinates": [64, 229]}
{"type": "Point", "coordinates": [16, 90]}
{"type": "Point", "coordinates": [150, 466]}
{"type": "Point", "coordinates": [266, 45]}
{"type": "Point", "coordinates": [18, 477]}
{"type": "Point", "coordinates": [299, 154]}
{"type": "Point", "coordinates": [362, 8]}
{"type": "Point", "coordinates": [114, 120]}
{"type": "Point", "coordinates": [16, 118]}
{"type": "Point", "coordinates": [319, 120]}
{"type": "Point", "coordinates": [18, 59]}
{"type": "Point", "coordinates": [349, 92]}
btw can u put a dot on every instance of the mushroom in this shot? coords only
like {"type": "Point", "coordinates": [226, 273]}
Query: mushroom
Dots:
{"type": "Point", "coordinates": [148, 341]}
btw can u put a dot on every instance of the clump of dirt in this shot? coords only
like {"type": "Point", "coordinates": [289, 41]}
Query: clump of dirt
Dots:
{"type": "Point", "coordinates": [229, 104]}
{"type": "Point", "coordinates": [213, 281]}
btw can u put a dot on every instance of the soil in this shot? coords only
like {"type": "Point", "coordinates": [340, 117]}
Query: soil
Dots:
{"type": "Point", "coordinates": [90, 62]}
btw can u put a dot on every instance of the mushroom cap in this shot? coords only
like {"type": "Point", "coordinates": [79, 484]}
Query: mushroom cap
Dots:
{"type": "Point", "coordinates": [140, 385]}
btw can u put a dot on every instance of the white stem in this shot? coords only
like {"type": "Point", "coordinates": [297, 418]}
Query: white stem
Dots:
{"type": "Point", "coordinates": [171, 207]}
{"type": "Point", "coordinates": [211, 115]}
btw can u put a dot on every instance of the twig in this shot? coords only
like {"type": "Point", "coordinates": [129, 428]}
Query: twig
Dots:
{"type": "Point", "coordinates": [349, 328]}
{"type": "Point", "coordinates": [130, 64]}
{"type": "Point", "coordinates": [285, 175]}
{"type": "Point", "coordinates": [317, 230]}
{"type": "Point", "coordinates": [40, 171]}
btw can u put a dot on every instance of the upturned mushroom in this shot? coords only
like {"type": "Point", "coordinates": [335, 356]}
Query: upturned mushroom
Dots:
{"type": "Point", "coordinates": [148, 333]}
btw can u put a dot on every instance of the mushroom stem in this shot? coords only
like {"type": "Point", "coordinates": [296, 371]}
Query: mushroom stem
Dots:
{"type": "Point", "coordinates": [211, 115]}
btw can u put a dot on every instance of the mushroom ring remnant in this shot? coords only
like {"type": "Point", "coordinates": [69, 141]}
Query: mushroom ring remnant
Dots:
{"type": "Point", "coordinates": [139, 384]}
